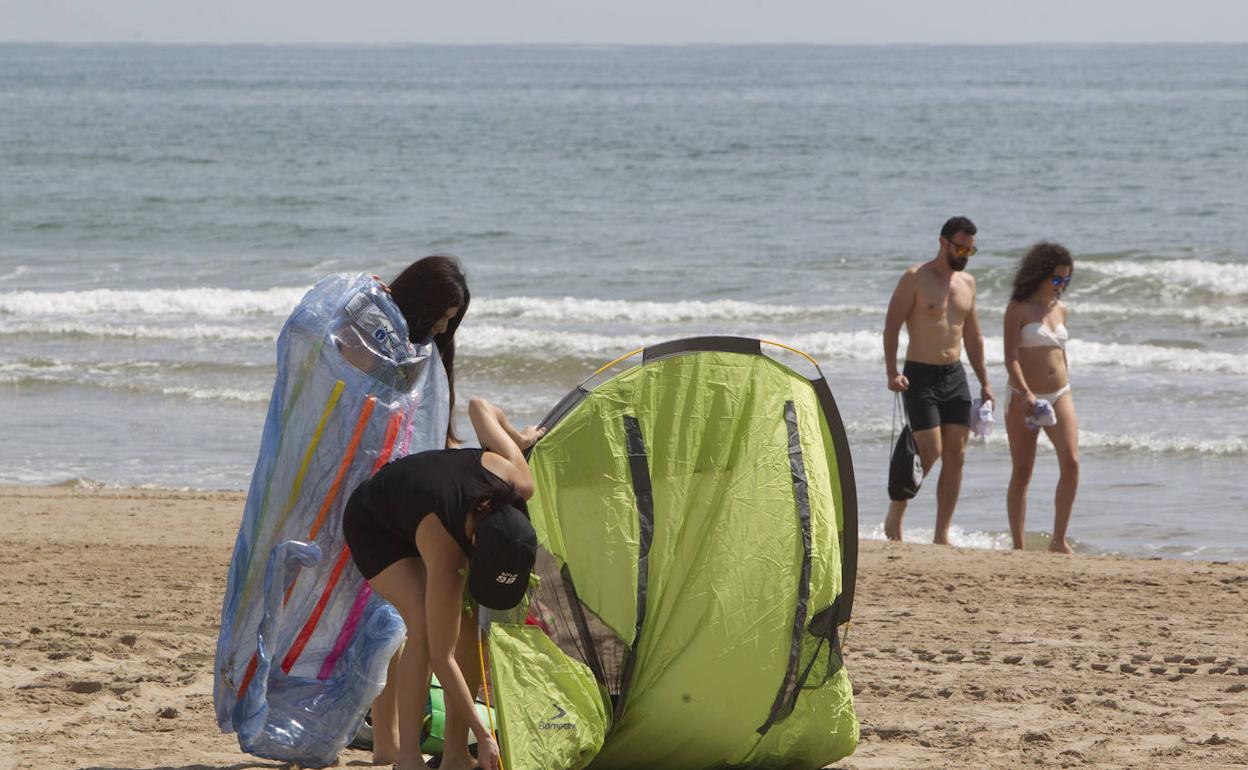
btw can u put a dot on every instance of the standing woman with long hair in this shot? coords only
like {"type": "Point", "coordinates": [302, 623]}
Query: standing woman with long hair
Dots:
{"type": "Point", "coordinates": [432, 293]}
{"type": "Point", "coordinates": [1035, 338]}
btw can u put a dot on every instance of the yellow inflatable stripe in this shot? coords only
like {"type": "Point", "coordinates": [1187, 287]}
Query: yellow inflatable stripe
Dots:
{"type": "Point", "coordinates": [245, 597]}
{"type": "Point", "coordinates": [307, 456]}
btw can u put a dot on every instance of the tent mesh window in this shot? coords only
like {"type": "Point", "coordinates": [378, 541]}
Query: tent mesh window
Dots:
{"type": "Point", "coordinates": [573, 627]}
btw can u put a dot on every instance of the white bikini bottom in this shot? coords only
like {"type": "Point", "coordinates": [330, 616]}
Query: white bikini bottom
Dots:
{"type": "Point", "coordinates": [1052, 398]}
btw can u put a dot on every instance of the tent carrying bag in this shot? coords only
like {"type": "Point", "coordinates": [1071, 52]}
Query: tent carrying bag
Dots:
{"type": "Point", "coordinates": [905, 470]}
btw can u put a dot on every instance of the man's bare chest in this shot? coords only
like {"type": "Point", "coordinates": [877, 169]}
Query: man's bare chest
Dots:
{"type": "Point", "coordinates": [949, 302]}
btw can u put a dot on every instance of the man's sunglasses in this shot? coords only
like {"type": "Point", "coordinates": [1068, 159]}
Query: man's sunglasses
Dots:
{"type": "Point", "coordinates": [962, 251]}
{"type": "Point", "coordinates": [1058, 280]}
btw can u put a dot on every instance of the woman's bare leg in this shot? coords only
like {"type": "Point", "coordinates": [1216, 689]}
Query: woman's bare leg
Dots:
{"type": "Point", "coordinates": [455, 755]}
{"type": "Point", "coordinates": [1023, 460]}
{"type": "Point", "coordinates": [386, 716]}
{"type": "Point", "coordinates": [1065, 438]}
{"type": "Point", "coordinates": [403, 585]}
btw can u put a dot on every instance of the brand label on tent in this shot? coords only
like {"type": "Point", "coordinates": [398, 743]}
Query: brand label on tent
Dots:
{"type": "Point", "coordinates": [557, 720]}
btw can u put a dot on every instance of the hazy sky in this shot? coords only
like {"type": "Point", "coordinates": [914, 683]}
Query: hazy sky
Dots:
{"type": "Point", "coordinates": [625, 21]}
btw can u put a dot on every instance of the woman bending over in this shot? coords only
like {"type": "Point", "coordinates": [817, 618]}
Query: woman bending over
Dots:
{"type": "Point", "coordinates": [413, 528]}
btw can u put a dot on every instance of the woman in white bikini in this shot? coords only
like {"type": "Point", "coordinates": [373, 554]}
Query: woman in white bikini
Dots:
{"type": "Point", "coordinates": [1035, 360]}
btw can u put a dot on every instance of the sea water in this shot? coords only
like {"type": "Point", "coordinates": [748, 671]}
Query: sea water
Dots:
{"type": "Point", "coordinates": [162, 209]}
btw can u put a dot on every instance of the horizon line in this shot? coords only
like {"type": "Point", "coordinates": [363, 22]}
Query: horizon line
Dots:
{"type": "Point", "coordinates": [622, 44]}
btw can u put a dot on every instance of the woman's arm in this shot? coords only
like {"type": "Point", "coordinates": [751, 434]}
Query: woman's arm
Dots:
{"type": "Point", "coordinates": [1014, 370]}
{"type": "Point", "coordinates": [503, 441]}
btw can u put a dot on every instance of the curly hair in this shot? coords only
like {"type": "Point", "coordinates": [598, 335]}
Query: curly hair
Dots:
{"type": "Point", "coordinates": [1037, 265]}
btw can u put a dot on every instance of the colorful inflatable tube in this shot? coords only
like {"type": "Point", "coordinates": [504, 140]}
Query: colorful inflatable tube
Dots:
{"type": "Point", "coordinates": [304, 643]}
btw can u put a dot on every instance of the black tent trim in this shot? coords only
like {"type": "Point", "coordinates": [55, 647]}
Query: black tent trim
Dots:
{"type": "Point", "coordinates": [844, 603]}
{"type": "Point", "coordinates": [639, 469]}
{"type": "Point", "coordinates": [801, 497]}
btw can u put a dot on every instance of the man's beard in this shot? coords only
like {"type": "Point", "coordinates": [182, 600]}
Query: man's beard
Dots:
{"type": "Point", "coordinates": [958, 264]}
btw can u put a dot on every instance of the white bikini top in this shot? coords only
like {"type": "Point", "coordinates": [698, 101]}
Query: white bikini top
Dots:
{"type": "Point", "coordinates": [1037, 335]}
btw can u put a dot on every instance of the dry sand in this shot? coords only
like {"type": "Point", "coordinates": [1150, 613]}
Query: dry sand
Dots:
{"type": "Point", "coordinates": [961, 658]}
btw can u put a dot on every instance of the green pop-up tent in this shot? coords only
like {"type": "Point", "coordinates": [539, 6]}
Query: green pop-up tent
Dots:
{"type": "Point", "coordinates": [697, 519]}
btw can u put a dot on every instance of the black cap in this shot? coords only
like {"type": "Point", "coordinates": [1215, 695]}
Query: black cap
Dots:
{"type": "Point", "coordinates": [504, 549]}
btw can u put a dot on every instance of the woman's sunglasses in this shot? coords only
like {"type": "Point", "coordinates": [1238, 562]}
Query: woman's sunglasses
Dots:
{"type": "Point", "coordinates": [1061, 281]}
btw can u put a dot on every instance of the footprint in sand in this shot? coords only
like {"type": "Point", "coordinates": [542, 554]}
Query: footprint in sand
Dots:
{"type": "Point", "coordinates": [85, 687]}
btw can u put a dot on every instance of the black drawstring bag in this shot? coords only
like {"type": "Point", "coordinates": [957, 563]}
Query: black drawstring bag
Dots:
{"type": "Point", "coordinates": [905, 469]}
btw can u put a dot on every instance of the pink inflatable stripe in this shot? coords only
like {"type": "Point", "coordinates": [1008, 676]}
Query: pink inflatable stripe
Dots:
{"type": "Point", "coordinates": [348, 631]}
{"type": "Point", "coordinates": [361, 598]}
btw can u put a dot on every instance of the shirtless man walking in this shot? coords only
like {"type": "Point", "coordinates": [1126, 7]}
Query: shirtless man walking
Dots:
{"type": "Point", "coordinates": [936, 301]}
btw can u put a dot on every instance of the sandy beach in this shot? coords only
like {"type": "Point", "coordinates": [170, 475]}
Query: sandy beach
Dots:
{"type": "Point", "coordinates": [960, 658]}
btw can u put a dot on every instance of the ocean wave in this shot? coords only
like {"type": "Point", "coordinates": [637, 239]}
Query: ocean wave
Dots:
{"type": "Point", "coordinates": [573, 309]}
{"type": "Point", "coordinates": [1223, 447]}
{"type": "Point", "coordinates": [1215, 277]}
{"type": "Point", "coordinates": [1085, 352]}
{"type": "Point", "coordinates": [59, 377]}
{"type": "Point", "coordinates": [73, 329]}
{"type": "Point", "coordinates": [484, 339]}
{"type": "Point", "coordinates": [879, 432]}
{"type": "Point", "coordinates": [17, 272]}
{"type": "Point", "coordinates": [207, 302]}
{"type": "Point", "coordinates": [279, 301]}
{"type": "Point", "coordinates": [1225, 317]}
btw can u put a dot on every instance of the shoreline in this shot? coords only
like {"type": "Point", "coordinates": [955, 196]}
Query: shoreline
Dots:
{"type": "Point", "coordinates": [870, 530]}
{"type": "Point", "coordinates": [959, 657]}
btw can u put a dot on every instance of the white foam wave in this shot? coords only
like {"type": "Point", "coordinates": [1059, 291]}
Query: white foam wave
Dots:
{"type": "Point", "coordinates": [1202, 315]}
{"type": "Point", "coordinates": [142, 331]}
{"type": "Point", "coordinates": [958, 537]}
{"type": "Point", "coordinates": [279, 301]}
{"type": "Point", "coordinates": [218, 394]}
{"type": "Point", "coordinates": [1216, 277]}
{"type": "Point", "coordinates": [1230, 445]}
{"type": "Point", "coordinates": [1153, 357]}
{"type": "Point", "coordinates": [856, 346]}
{"type": "Point", "coordinates": [213, 303]}
{"type": "Point", "coordinates": [17, 272]}
{"type": "Point", "coordinates": [574, 309]}
{"type": "Point", "coordinates": [883, 430]}
{"type": "Point", "coordinates": [485, 339]}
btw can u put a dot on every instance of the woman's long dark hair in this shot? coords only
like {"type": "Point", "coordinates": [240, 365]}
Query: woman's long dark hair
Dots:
{"type": "Point", "coordinates": [498, 494]}
{"type": "Point", "coordinates": [424, 292]}
{"type": "Point", "coordinates": [1037, 266]}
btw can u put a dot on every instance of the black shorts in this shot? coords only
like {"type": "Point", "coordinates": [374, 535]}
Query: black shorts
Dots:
{"type": "Point", "coordinates": [373, 545]}
{"type": "Point", "coordinates": [938, 395]}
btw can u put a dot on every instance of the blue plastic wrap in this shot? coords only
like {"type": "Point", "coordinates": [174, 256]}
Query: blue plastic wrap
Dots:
{"type": "Point", "coordinates": [304, 643]}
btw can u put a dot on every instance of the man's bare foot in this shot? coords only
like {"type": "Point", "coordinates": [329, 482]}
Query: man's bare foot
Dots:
{"type": "Point", "coordinates": [1062, 547]}
{"type": "Point", "coordinates": [892, 522]}
{"type": "Point", "coordinates": [941, 540]}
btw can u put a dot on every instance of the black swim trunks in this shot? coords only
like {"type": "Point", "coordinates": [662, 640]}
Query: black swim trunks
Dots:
{"type": "Point", "coordinates": [938, 395]}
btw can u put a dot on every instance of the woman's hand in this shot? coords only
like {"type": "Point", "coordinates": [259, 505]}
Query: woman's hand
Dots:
{"type": "Point", "coordinates": [1029, 402]}
{"type": "Point", "coordinates": [529, 436]}
{"type": "Point", "coordinates": [487, 752]}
